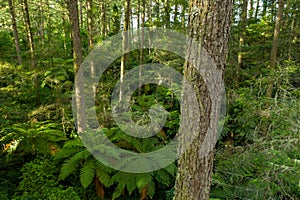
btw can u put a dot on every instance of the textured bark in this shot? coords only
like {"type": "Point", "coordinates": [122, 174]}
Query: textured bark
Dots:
{"type": "Point", "coordinates": [15, 29]}
{"type": "Point", "coordinates": [77, 55]}
{"type": "Point", "coordinates": [275, 46]}
{"type": "Point", "coordinates": [209, 23]}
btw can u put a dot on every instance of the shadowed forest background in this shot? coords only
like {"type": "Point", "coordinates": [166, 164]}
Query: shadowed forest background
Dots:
{"type": "Point", "coordinates": [258, 152]}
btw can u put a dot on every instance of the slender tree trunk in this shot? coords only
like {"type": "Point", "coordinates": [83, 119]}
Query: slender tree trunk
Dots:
{"type": "Point", "coordinates": [209, 23]}
{"type": "Point", "coordinates": [28, 30]}
{"type": "Point", "coordinates": [80, 14]}
{"type": "Point", "coordinates": [183, 16]}
{"type": "Point", "coordinates": [257, 8]}
{"type": "Point", "coordinates": [251, 11]}
{"type": "Point", "coordinates": [42, 24]}
{"type": "Point", "coordinates": [15, 29]}
{"type": "Point", "coordinates": [90, 22]}
{"type": "Point", "coordinates": [167, 10]}
{"type": "Point", "coordinates": [125, 58]}
{"type": "Point", "coordinates": [273, 60]}
{"type": "Point", "coordinates": [149, 16]}
{"type": "Point", "coordinates": [242, 32]}
{"type": "Point", "coordinates": [31, 49]}
{"type": "Point", "coordinates": [103, 18]}
{"type": "Point", "coordinates": [142, 46]}
{"type": "Point", "coordinates": [265, 7]}
{"type": "Point", "coordinates": [176, 14]}
{"type": "Point", "coordinates": [77, 54]}
{"type": "Point", "coordinates": [138, 14]}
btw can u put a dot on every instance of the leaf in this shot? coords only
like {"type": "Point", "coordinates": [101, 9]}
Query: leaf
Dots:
{"type": "Point", "coordinates": [72, 164]}
{"type": "Point", "coordinates": [87, 173]}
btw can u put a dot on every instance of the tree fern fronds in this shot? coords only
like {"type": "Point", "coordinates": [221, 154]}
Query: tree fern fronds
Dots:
{"type": "Point", "coordinates": [72, 164]}
{"type": "Point", "coordinates": [87, 173]}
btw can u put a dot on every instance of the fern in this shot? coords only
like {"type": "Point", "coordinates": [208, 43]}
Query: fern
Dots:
{"type": "Point", "coordinates": [87, 173]}
{"type": "Point", "coordinates": [72, 164]}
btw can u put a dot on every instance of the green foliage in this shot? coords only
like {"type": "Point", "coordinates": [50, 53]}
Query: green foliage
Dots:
{"type": "Point", "coordinates": [39, 181]}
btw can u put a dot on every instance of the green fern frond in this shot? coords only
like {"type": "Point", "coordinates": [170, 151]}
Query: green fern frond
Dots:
{"type": "Point", "coordinates": [87, 173]}
{"type": "Point", "coordinates": [162, 176]}
{"type": "Point", "coordinates": [151, 189]}
{"type": "Point", "coordinates": [67, 152]}
{"type": "Point", "coordinates": [104, 178]}
{"type": "Point", "coordinates": [142, 180]}
{"type": "Point", "coordinates": [171, 169]}
{"type": "Point", "coordinates": [119, 190]}
{"type": "Point", "coordinates": [72, 164]}
{"type": "Point", "coordinates": [73, 143]}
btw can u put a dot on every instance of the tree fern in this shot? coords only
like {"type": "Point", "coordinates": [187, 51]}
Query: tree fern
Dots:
{"type": "Point", "coordinates": [72, 164]}
{"type": "Point", "coordinates": [87, 173]}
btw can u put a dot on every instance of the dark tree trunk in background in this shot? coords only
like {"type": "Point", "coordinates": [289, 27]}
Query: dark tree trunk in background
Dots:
{"type": "Point", "coordinates": [31, 49]}
{"type": "Point", "coordinates": [77, 55]}
{"type": "Point", "coordinates": [28, 30]}
{"type": "Point", "coordinates": [273, 60]}
{"type": "Point", "coordinates": [243, 27]}
{"type": "Point", "coordinates": [103, 19]}
{"type": "Point", "coordinates": [90, 22]}
{"type": "Point", "coordinates": [15, 29]}
{"type": "Point", "coordinates": [209, 24]}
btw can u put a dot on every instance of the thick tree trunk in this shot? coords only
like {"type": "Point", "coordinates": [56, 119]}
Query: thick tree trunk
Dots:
{"type": "Point", "coordinates": [209, 23]}
{"type": "Point", "coordinates": [77, 54]}
{"type": "Point", "coordinates": [15, 29]}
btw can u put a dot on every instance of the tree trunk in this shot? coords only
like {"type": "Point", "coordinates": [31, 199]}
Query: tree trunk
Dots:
{"type": "Point", "coordinates": [31, 49]}
{"type": "Point", "coordinates": [80, 14]}
{"type": "Point", "coordinates": [167, 9]}
{"type": "Point", "coordinates": [149, 16]}
{"type": "Point", "coordinates": [209, 23]}
{"type": "Point", "coordinates": [142, 46]}
{"type": "Point", "coordinates": [103, 18]}
{"type": "Point", "coordinates": [90, 22]}
{"type": "Point", "coordinates": [251, 11]}
{"type": "Point", "coordinates": [275, 47]}
{"type": "Point", "coordinates": [257, 8]}
{"type": "Point", "coordinates": [77, 54]}
{"type": "Point", "coordinates": [125, 58]}
{"type": "Point", "coordinates": [29, 32]}
{"type": "Point", "coordinates": [242, 32]}
{"type": "Point", "coordinates": [15, 29]}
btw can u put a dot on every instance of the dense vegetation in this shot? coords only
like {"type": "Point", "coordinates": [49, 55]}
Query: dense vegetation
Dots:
{"type": "Point", "coordinates": [258, 152]}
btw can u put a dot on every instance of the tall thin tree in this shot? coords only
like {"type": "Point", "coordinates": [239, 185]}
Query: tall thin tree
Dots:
{"type": "Point", "coordinates": [15, 29]}
{"type": "Point", "coordinates": [77, 54]}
